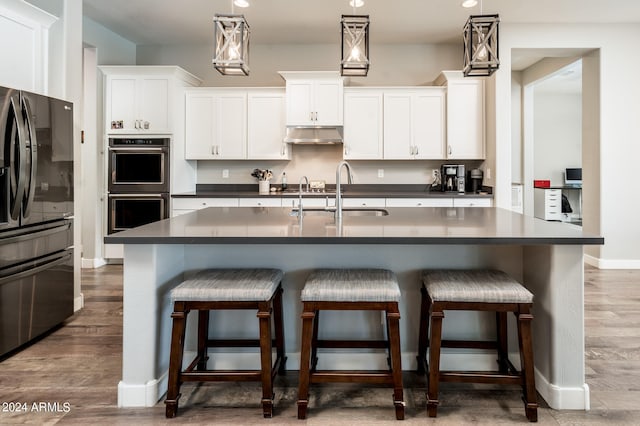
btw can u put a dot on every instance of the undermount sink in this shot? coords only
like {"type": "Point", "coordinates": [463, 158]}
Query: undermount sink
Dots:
{"type": "Point", "coordinates": [345, 212]}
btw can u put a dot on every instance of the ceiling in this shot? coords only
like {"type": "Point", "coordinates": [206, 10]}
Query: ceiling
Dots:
{"type": "Point", "coordinates": [188, 22]}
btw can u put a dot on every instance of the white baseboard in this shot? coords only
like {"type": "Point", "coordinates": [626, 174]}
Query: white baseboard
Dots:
{"type": "Point", "coordinates": [146, 395]}
{"type": "Point", "coordinates": [612, 263]}
{"type": "Point", "coordinates": [577, 398]}
{"type": "Point", "coordinates": [78, 303]}
{"type": "Point", "coordinates": [93, 263]}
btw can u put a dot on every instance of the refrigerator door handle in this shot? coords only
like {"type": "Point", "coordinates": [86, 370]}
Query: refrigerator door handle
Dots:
{"type": "Point", "coordinates": [33, 145]}
{"type": "Point", "coordinates": [51, 260]}
{"type": "Point", "coordinates": [17, 183]}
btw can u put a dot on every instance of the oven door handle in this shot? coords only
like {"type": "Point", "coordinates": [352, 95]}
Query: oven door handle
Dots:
{"type": "Point", "coordinates": [141, 195]}
{"type": "Point", "coordinates": [137, 148]}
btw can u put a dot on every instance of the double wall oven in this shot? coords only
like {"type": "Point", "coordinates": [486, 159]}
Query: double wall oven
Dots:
{"type": "Point", "coordinates": [138, 181]}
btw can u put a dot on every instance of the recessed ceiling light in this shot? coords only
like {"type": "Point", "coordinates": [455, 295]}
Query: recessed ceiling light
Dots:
{"type": "Point", "coordinates": [469, 3]}
{"type": "Point", "coordinates": [356, 3]}
{"type": "Point", "coordinates": [241, 3]}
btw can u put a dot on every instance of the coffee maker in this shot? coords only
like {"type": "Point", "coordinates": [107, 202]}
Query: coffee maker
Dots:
{"type": "Point", "coordinates": [474, 181]}
{"type": "Point", "coordinates": [453, 177]}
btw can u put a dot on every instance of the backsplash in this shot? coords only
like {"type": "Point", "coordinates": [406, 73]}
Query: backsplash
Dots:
{"type": "Point", "coordinates": [319, 163]}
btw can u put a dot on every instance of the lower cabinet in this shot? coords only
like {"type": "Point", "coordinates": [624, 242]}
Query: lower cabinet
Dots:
{"type": "Point", "coordinates": [547, 203]}
{"type": "Point", "coordinates": [472, 202]}
{"type": "Point", "coordinates": [187, 205]}
{"type": "Point", "coordinates": [363, 202]}
{"type": "Point", "coordinates": [260, 202]}
{"type": "Point", "coordinates": [420, 202]}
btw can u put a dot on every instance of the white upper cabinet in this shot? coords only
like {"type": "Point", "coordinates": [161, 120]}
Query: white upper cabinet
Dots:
{"type": "Point", "coordinates": [363, 124]}
{"type": "Point", "coordinates": [216, 124]}
{"type": "Point", "coordinates": [465, 116]}
{"type": "Point", "coordinates": [414, 123]}
{"type": "Point", "coordinates": [314, 98]}
{"type": "Point", "coordinates": [266, 125]}
{"type": "Point", "coordinates": [141, 98]}
{"type": "Point", "coordinates": [24, 38]}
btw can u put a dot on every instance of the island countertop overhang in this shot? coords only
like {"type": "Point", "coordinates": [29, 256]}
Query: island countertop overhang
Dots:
{"type": "Point", "coordinates": [410, 225]}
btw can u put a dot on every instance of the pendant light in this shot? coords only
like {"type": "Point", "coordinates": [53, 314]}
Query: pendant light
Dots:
{"type": "Point", "coordinates": [355, 43]}
{"type": "Point", "coordinates": [231, 38]}
{"type": "Point", "coordinates": [480, 38]}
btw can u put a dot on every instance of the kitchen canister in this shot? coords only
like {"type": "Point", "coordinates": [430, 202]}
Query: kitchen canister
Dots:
{"type": "Point", "coordinates": [263, 187]}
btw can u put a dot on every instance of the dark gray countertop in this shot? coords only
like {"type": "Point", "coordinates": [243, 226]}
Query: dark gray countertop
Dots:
{"type": "Point", "coordinates": [349, 191]}
{"type": "Point", "coordinates": [409, 225]}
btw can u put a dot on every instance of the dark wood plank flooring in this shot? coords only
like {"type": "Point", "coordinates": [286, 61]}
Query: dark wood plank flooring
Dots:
{"type": "Point", "coordinates": [72, 375]}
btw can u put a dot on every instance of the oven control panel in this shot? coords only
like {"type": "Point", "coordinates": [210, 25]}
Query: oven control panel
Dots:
{"type": "Point", "coordinates": [138, 141]}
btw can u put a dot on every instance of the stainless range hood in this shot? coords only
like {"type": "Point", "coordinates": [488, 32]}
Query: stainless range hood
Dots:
{"type": "Point", "coordinates": [314, 135]}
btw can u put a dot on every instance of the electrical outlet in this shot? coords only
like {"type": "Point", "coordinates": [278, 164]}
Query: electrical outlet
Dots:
{"type": "Point", "coordinates": [434, 173]}
{"type": "Point", "coordinates": [225, 173]}
{"type": "Point", "coordinates": [488, 173]}
{"type": "Point", "coordinates": [380, 173]}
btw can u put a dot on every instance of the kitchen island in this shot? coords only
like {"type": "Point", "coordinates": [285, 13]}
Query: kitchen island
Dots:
{"type": "Point", "coordinates": [546, 257]}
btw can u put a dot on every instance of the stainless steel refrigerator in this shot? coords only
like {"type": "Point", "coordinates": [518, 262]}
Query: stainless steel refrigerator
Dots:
{"type": "Point", "coordinates": [36, 216]}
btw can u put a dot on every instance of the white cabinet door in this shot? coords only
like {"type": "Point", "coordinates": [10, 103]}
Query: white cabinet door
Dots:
{"type": "Point", "coordinates": [363, 125]}
{"type": "Point", "coordinates": [363, 202]}
{"type": "Point", "coordinates": [300, 106]}
{"type": "Point", "coordinates": [314, 98]}
{"type": "Point", "coordinates": [24, 35]}
{"type": "Point", "coordinates": [472, 202]}
{"type": "Point", "coordinates": [231, 126]}
{"type": "Point", "coordinates": [216, 125]}
{"type": "Point", "coordinates": [328, 102]}
{"type": "Point", "coordinates": [428, 124]}
{"type": "Point", "coordinates": [397, 126]}
{"type": "Point", "coordinates": [266, 201]}
{"type": "Point", "coordinates": [199, 126]}
{"type": "Point", "coordinates": [154, 103]}
{"type": "Point", "coordinates": [137, 101]}
{"type": "Point", "coordinates": [266, 125]}
{"type": "Point", "coordinates": [420, 202]}
{"type": "Point", "coordinates": [182, 206]}
{"type": "Point", "coordinates": [465, 119]}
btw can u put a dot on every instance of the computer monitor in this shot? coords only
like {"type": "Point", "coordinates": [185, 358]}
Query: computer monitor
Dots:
{"type": "Point", "coordinates": [573, 176]}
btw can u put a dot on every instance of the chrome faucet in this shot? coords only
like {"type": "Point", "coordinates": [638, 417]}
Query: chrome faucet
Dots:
{"type": "Point", "coordinates": [338, 184]}
{"type": "Point", "coordinates": [303, 178]}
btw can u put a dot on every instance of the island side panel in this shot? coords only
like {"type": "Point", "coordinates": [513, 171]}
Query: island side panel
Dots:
{"type": "Point", "coordinates": [407, 261]}
{"type": "Point", "coordinates": [150, 271]}
{"type": "Point", "coordinates": [555, 274]}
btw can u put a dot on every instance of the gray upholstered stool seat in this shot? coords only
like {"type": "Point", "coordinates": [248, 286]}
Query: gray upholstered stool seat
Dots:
{"type": "Point", "coordinates": [484, 291]}
{"type": "Point", "coordinates": [350, 290]}
{"type": "Point", "coordinates": [483, 286]}
{"type": "Point", "coordinates": [229, 285]}
{"type": "Point", "coordinates": [220, 290]}
{"type": "Point", "coordinates": [351, 285]}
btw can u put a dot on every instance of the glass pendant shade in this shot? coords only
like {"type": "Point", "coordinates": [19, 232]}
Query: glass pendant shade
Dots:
{"type": "Point", "coordinates": [355, 45]}
{"type": "Point", "coordinates": [480, 38]}
{"type": "Point", "coordinates": [231, 37]}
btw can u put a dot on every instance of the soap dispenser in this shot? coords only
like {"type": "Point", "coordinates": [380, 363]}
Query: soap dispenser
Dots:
{"type": "Point", "coordinates": [284, 181]}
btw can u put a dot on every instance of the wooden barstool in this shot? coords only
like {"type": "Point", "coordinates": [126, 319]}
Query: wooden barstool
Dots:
{"type": "Point", "coordinates": [350, 289]}
{"type": "Point", "coordinates": [476, 290]}
{"type": "Point", "coordinates": [212, 289]}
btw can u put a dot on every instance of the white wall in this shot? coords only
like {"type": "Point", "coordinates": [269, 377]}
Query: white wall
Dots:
{"type": "Point", "coordinates": [103, 47]}
{"type": "Point", "coordinates": [390, 64]}
{"type": "Point", "coordinates": [618, 124]}
{"type": "Point", "coordinates": [557, 133]}
{"type": "Point", "coordinates": [516, 127]}
{"type": "Point", "coordinates": [318, 162]}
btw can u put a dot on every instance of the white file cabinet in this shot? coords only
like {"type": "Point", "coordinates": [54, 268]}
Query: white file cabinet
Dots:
{"type": "Point", "coordinates": [547, 203]}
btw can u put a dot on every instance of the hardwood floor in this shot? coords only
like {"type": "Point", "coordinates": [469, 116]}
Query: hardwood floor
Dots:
{"type": "Point", "coordinates": [72, 374]}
